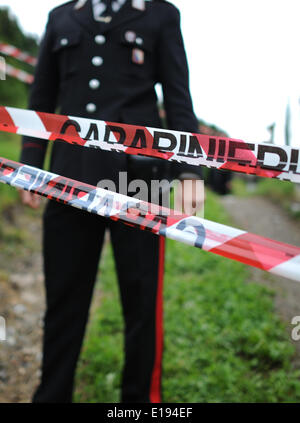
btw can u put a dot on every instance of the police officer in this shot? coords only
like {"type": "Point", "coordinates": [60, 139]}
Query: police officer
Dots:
{"type": "Point", "coordinates": [101, 59]}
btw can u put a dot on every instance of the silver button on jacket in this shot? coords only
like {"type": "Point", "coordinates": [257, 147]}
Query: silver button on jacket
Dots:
{"type": "Point", "coordinates": [97, 61]}
{"type": "Point", "coordinates": [94, 84]}
{"type": "Point", "coordinates": [100, 39]}
{"type": "Point", "coordinates": [91, 107]}
{"type": "Point", "coordinates": [64, 41]}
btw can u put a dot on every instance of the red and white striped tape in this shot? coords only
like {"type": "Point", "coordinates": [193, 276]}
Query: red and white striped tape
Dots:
{"type": "Point", "coordinates": [273, 256]}
{"type": "Point", "coordinates": [12, 51]}
{"type": "Point", "coordinates": [262, 159]}
{"type": "Point", "coordinates": [18, 74]}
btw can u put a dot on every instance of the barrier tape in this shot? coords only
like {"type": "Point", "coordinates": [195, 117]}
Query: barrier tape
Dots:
{"type": "Point", "coordinates": [267, 160]}
{"type": "Point", "coordinates": [12, 51]}
{"type": "Point", "coordinates": [273, 256]}
{"type": "Point", "coordinates": [18, 74]}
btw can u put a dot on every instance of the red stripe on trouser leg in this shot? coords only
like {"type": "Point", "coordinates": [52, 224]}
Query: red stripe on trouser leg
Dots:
{"type": "Point", "coordinates": [155, 389]}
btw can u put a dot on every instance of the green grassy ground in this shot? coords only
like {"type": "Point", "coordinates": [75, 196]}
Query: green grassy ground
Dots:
{"type": "Point", "coordinates": [9, 149]}
{"type": "Point", "coordinates": [223, 340]}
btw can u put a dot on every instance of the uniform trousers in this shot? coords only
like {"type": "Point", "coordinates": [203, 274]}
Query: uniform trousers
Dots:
{"type": "Point", "coordinates": [72, 244]}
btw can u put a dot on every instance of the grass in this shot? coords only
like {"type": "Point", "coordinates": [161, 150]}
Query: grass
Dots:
{"type": "Point", "coordinates": [281, 192]}
{"type": "Point", "coordinates": [9, 149]}
{"type": "Point", "coordinates": [10, 236]}
{"type": "Point", "coordinates": [223, 340]}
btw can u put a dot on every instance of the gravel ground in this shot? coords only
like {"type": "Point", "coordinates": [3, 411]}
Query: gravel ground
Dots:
{"type": "Point", "coordinates": [262, 217]}
{"type": "Point", "coordinates": [22, 304]}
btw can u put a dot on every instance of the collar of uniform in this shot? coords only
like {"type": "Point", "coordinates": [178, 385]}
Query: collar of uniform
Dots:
{"type": "Point", "coordinates": [84, 16]}
{"type": "Point", "coordinates": [136, 4]}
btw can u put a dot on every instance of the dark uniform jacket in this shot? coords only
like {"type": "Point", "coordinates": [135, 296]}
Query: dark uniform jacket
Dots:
{"type": "Point", "coordinates": [108, 71]}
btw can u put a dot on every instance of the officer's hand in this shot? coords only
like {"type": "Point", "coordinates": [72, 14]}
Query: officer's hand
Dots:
{"type": "Point", "coordinates": [30, 199]}
{"type": "Point", "coordinates": [189, 197]}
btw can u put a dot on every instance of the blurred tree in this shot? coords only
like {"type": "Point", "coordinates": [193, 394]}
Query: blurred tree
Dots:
{"type": "Point", "coordinates": [14, 92]}
{"type": "Point", "coordinates": [287, 125]}
{"type": "Point", "coordinates": [271, 129]}
{"type": "Point", "coordinates": [218, 180]}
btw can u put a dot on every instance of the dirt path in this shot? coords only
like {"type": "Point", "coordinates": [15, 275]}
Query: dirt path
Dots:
{"type": "Point", "coordinates": [22, 294]}
{"type": "Point", "coordinates": [22, 306]}
{"type": "Point", "coordinates": [262, 217]}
